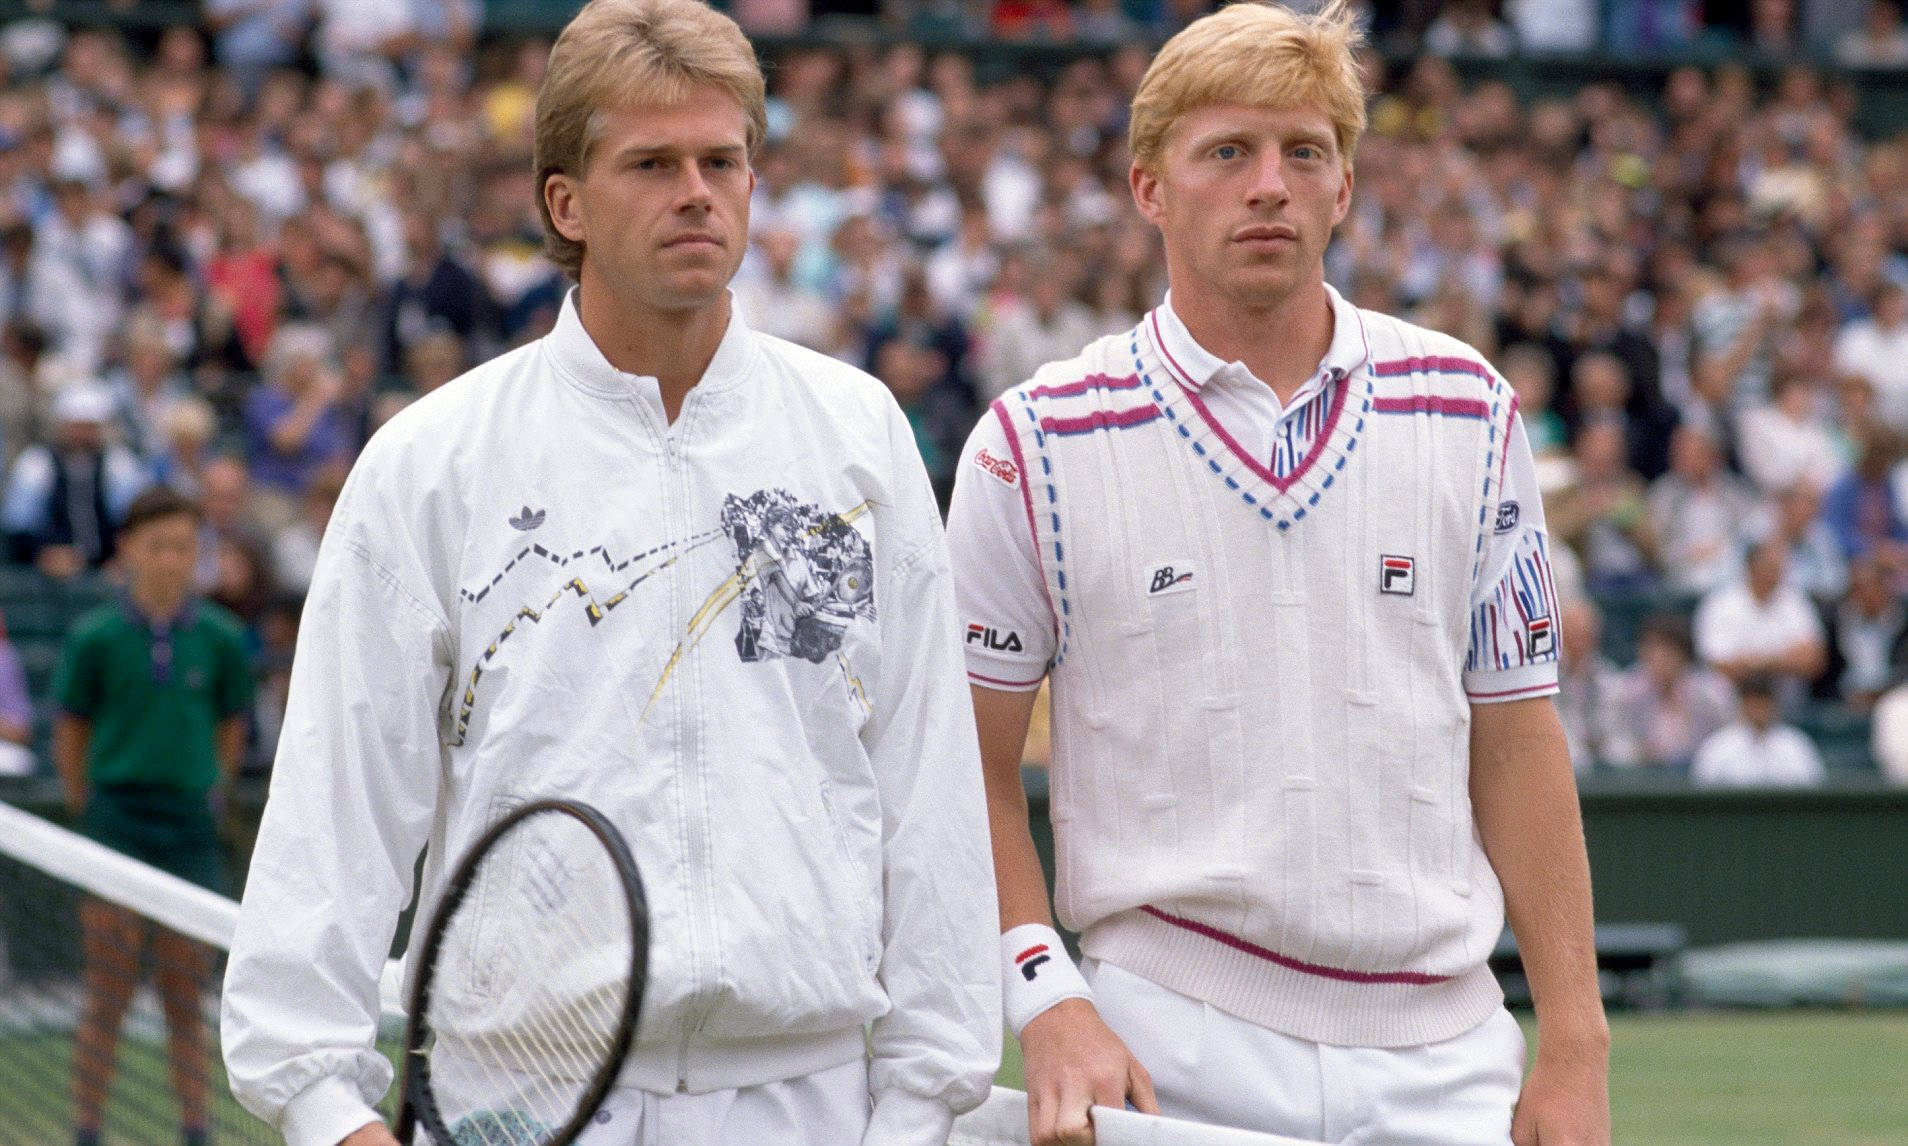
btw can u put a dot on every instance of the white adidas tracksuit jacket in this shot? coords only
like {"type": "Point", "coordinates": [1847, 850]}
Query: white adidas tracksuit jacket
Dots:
{"type": "Point", "coordinates": [734, 634]}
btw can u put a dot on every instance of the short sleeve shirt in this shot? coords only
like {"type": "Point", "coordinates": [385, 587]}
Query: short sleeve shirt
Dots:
{"type": "Point", "coordinates": [154, 692]}
{"type": "Point", "coordinates": [1001, 586]}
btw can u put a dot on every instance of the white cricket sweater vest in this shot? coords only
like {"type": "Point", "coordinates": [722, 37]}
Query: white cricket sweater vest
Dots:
{"type": "Point", "coordinates": [1261, 737]}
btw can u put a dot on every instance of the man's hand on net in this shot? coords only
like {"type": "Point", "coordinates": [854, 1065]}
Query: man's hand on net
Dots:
{"type": "Point", "coordinates": [371, 1134]}
{"type": "Point", "coordinates": [1074, 1062]}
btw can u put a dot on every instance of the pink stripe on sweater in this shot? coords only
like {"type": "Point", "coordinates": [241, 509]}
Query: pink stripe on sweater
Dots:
{"type": "Point", "coordinates": [1101, 420]}
{"type": "Point", "coordinates": [1432, 404]}
{"type": "Point", "coordinates": [1090, 382]}
{"type": "Point", "coordinates": [1413, 978]}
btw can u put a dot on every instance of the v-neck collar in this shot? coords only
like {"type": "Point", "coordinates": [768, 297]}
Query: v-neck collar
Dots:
{"type": "Point", "coordinates": [1283, 501]}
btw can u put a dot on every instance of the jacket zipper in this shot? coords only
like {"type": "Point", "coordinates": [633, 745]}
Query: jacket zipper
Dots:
{"type": "Point", "coordinates": [694, 829]}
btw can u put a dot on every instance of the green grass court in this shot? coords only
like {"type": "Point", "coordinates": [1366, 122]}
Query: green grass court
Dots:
{"type": "Point", "coordinates": [1750, 1079]}
{"type": "Point", "coordinates": [1746, 1079]}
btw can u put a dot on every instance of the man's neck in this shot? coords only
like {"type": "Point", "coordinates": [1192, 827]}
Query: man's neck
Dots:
{"type": "Point", "coordinates": [673, 347]}
{"type": "Point", "coordinates": [1281, 342]}
{"type": "Point", "coordinates": [155, 606]}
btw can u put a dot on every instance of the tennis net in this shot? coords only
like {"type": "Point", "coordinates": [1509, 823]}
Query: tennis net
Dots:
{"type": "Point", "coordinates": [94, 944]}
{"type": "Point", "coordinates": [51, 879]}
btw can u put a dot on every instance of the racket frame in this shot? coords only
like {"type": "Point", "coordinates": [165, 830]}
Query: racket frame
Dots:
{"type": "Point", "coordinates": [418, 1103]}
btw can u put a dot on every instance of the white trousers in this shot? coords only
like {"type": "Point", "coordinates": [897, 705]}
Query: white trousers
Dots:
{"type": "Point", "coordinates": [1212, 1067]}
{"type": "Point", "coordinates": [827, 1108]}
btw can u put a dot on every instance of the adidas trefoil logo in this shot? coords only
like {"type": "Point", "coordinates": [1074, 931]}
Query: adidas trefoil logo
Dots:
{"type": "Point", "coordinates": [527, 519]}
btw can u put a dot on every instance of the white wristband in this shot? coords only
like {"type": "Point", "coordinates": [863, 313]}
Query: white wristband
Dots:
{"type": "Point", "coordinates": [1036, 973]}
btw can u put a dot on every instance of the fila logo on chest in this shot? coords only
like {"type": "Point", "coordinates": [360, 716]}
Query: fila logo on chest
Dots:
{"type": "Point", "coordinates": [1397, 575]}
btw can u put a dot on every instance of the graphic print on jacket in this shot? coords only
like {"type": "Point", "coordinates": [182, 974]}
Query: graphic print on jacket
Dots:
{"type": "Point", "coordinates": [803, 575]}
{"type": "Point", "coordinates": [814, 574]}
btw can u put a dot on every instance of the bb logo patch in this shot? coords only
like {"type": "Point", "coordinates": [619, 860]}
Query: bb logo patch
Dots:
{"type": "Point", "coordinates": [1507, 515]}
{"type": "Point", "coordinates": [994, 640]}
{"type": "Point", "coordinates": [1028, 962]}
{"type": "Point", "coordinates": [1543, 638]}
{"type": "Point", "coordinates": [998, 468]}
{"type": "Point", "coordinates": [1174, 578]}
{"type": "Point", "coordinates": [1396, 575]}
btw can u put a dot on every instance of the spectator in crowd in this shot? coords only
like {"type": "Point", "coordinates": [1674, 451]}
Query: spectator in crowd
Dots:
{"type": "Point", "coordinates": [1048, 325]}
{"type": "Point", "coordinates": [1665, 705]}
{"type": "Point", "coordinates": [1875, 349]}
{"type": "Point", "coordinates": [295, 549]}
{"type": "Point", "coordinates": [1736, 327]}
{"type": "Point", "coordinates": [1880, 41]}
{"type": "Point", "coordinates": [1586, 684]}
{"type": "Point", "coordinates": [1600, 391]}
{"type": "Point", "coordinates": [775, 300]}
{"type": "Point", "coordinates": [16, 711]}
{"type": "Point", "coordinates": [226, 514]}
{"type": "Point", "coordinates": [185, 437]}
{"type": "Point", "coordinates": [199, 327]}
{"type": "Point", "coordinates": [1889, 736]}
{"type": "Point", "coordinates": [1761, 623]}
{"type": "Point", "coordinates": [1467, 28]}
{"type": "Point", "coordinates": [359, 43]}
{"type": "Point", "coordinates": [153, 691]}
{"type": "Point", "coordinates": [1603, 514]}
{"type": "Point", "coordinates": [75, 286]}
{"type": "Point", "coordinates": [1613, 365]}
{"type": "Point", "coordinates": [1699, 514]}
{"type": "Point", "coordinates": [1757, 750]}
{"type": "Point", "coordinates": [65, 498]}
{"type": "Point", "coordinates": [1817, 565]}
{"type": "Point", "coordinates": [1865, 508]}
{"type": "Point", "coordinates": [437, 292]}
{"type": "Point", "coordinates": [1531, 371]}
{"type": "Point", "coordinates": [145, 387]}
{"type": "Point", "coordinates": [332, 295]}
{"type": "Point", "coordinates": [251, 38]}
{"type": "Point", "coordinates": [293, 424]}
{"type": "Point", "coordinates": [1787, 441]}
{"type": "Point", "coordinates": [1866, 634]}
{"type": "Point", "coordinates": [22, 402]}
{"type": "Point", "coordinates": [911, 367]}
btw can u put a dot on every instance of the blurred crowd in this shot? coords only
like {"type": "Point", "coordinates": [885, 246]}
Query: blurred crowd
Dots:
{"type": "Point", "coordinates": [227, 257]}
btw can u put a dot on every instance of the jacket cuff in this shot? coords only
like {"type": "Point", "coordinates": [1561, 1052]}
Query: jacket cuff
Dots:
{"type": "Point", "coordinates": [904, 1119]}
{"type": "Point", "coordinates": [325, 1113]}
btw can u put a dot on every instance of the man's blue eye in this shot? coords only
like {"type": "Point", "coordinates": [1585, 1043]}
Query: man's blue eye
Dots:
{"type": "Point", "coordinates": [1226, 151]}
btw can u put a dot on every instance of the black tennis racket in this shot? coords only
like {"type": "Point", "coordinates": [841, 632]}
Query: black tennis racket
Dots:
{"type": "Point", "coordinates": [529, 983]}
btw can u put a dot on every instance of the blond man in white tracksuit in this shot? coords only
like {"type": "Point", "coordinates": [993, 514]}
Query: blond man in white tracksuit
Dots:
{"type": "Point", "coordinates": [1283, 562]}
{"type": "Point", "coordinates": [721, 572]}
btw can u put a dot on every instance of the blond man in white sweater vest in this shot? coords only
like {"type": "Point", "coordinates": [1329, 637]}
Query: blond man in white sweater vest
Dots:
{"type": "Point", "coordinates": [1283, 562]}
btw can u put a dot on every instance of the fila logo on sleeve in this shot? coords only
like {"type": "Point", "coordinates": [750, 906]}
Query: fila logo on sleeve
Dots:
{"type": "Point", "coordinates": [1396, 575]}
{"type": "Point", "coordinates": [1176, 577]}
{"type": "Point", "coordinates": [1028, 962]}
{"type": "Point", "coordinates": [1543, 638]}
{"type": "Point", "coordinates": [994, 640]}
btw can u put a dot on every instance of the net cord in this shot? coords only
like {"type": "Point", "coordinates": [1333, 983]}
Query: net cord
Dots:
{"type": "Point", "coordinates": [166, 899]}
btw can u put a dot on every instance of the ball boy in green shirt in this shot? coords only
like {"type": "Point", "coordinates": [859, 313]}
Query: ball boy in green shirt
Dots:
{"type": "Point", "coordinates": [152, 691]}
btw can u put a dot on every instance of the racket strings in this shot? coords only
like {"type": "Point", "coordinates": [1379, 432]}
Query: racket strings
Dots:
{"type": "Point", "coordinates": [546, 957]}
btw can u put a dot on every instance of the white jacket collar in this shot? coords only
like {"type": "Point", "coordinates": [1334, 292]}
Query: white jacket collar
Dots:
{"type": "Point", "coordinates": [576, 354]}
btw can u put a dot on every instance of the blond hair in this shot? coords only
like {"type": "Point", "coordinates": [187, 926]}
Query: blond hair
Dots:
{"type": "Point", "coordinates": [641, 52]}
{"type": "Point", "coordinates": [1261, 55]}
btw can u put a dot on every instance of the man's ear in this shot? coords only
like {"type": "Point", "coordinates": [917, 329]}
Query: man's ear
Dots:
{"type": "Point", "coordinates": [566, 207]}
{"type": "Point", "coordinates": [1148, 194]}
